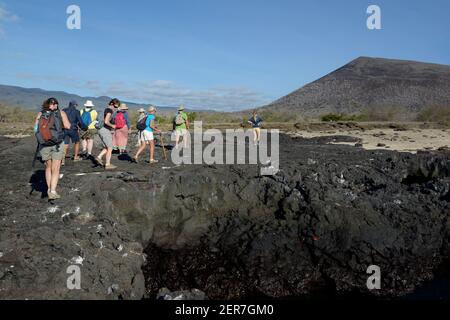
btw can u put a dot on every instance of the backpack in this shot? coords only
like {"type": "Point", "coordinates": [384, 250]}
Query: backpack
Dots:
{"type": "Point", "coordinates": [142, 124]}
{"type": "Point", "coordinates": [86, 119]}
{"type": "Point", "coordinates": [119, 120]}
{"type": "Point", "coordinates": [101, 121]}
{"type": "Point", "coordinates": [179, 120]}
{"type": "Point", "coordinates": [50, 129]}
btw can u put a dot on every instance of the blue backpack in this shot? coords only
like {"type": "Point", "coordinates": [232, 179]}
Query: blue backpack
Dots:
{"type": "Point", "coordinates": [86, 119]}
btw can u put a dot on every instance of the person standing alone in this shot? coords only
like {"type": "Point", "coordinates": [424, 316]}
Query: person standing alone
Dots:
{"type": "Point", "coordinates": [255, 121]}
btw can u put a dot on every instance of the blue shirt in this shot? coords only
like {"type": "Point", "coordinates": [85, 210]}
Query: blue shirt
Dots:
{"type": "Point", "coordinates": [74, 117]}
{"type": "Point", "coordinates": [150, 117]}
{"type": "Point", "coordinates": [255, 123]}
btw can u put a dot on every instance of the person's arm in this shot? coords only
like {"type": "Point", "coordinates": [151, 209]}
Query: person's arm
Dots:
{"type": "Point", "coordinates": [79, 122]}
{"type": "Point", "coordinates": [36, 122]}
{"type": "Point", "coordinates": [108, 120]}
{"type": "Point", "coordinates": [187, 122]}
{"type": "Point", "coordinates": [65, 120]}
{"type": "Point", "coordinates": [152, 126]}
{"type": "Point", "coordinates": [127, 120]}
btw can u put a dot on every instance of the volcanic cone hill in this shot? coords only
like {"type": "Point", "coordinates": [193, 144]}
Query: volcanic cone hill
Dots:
{"type": "Point", "coordinates": [371, 84]}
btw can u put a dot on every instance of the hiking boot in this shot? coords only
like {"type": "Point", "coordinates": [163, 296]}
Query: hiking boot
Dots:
{"type": "Point", "coordinates": [110, 167]}
{"type": "Point", "coordinates": [53, 196]}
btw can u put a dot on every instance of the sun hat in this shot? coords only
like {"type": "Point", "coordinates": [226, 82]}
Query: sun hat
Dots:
{"type": "Point", "coordinates": [89, 104]}
{"type": "Point", "coordinates": [123, 106]}
{"type": "Point", "coordinates": [181, 108]}
{"type": "Point", "coordinates": [141, 110]}
{"type": "Point", "coordinates": [151, 109]}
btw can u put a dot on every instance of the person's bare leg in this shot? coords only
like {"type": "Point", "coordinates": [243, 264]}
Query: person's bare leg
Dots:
{"type": "Point", "coordinates": [104, 151]}
{"type": "Point", "coordinates": [77, 151]}
{"type": "Point", "coordinates": [84, 145]}
{"type": "Point", "coordinates": [108, 156]}
{"type": "Point", "coordinates": [90, 146]}
{"type": "Point", "coordinates": [152, 150]}
{"type": "Point", "coordinates": [177, 139]}
{"type": "Point", "coordinates": [56, 165]}
{"type": "Point", "coordinates": [48, 173]}
{"type": "Point", "coordinates": [66, 151]}
{"type": "Point", "coordinates": [141, 148]}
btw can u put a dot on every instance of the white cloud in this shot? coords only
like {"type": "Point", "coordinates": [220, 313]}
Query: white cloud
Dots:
{"type": "Point", "coordinates": [161, 92]}
{"type": "Point", "coordinates": [6, 17]}
{"type": "Point", "coordinates": [167, 93]}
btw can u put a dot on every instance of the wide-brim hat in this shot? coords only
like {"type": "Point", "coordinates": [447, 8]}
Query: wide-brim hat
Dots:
{"type": "Point", "coordinates": [151, 109]}
{"type": "Point", "coordinates": [123, 106]}
{"type": "Point", "coordinates": [181, 108]}
{"type": "Point", "coordinates": [89, 104]}
{"type": "Point", "coordinates": [141, 110]}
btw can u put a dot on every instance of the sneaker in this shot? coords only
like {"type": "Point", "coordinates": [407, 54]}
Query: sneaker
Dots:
{"type": "Point", "coordinates": [153, 161]}
{"type": "Point", "coordinates": [134, 160]}
{"type": "Point", "coordinates": [77, 160]}
{"type": "Point", "coordinates": [110, 167]}
{"type": "Point", "coordinates": [53, 196]}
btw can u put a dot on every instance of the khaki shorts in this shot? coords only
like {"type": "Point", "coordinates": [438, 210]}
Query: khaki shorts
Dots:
{"type": "Point", "coordinates": [147, 136]}
{"type": "Point", "coordinates": [53, 152]}
{"type": "Point", "coordinates": [181, 131]}
{"type": "Point", "coordinates": [106, 136]}
{"type": "Point", "coordinates": [89, 134]}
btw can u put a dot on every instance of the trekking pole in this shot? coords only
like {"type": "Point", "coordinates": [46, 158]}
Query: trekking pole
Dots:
{"type": "Point", "coordinates": [35, 156]}
{"type": "Point", "coordinates": [164, 148]}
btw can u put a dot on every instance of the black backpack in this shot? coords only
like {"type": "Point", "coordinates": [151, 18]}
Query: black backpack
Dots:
{"type": "Point", "coordinates": [142, 124]}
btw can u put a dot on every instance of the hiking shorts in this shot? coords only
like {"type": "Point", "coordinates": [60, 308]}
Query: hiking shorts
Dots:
{"type": "Point", "coordinates": [89, 134]}
{"type": "Point", "coordinates": [181, 131]}
{"type": "Point", "coordinates": [106, 136]}
{"type": "Point", "coordinates": [53, 152]}
{"type": "Point", "coordinates": [147, 136]}
{"type": "Point", "coordinates": [71, 135]}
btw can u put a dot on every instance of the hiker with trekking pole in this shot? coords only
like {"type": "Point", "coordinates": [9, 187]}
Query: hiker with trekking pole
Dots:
{"type": "Point", "coordinates": [49, 131]}
{"type": "Point", "coordinates": [147, 128]}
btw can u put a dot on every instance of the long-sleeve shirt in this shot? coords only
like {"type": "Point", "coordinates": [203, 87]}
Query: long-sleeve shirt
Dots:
{"type": "Point", "coordinates": [73, 114]}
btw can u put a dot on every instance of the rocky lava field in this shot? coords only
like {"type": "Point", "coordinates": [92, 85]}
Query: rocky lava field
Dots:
{"type": "Point", "coordinates": [311, 230]}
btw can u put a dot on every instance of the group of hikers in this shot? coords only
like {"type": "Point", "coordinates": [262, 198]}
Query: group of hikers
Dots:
{"type": "Point", "coordinates": [56, 129]}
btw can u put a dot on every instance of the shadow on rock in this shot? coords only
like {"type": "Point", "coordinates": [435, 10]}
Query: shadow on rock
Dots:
{"type": "Point", "coordinates": [38, 183]}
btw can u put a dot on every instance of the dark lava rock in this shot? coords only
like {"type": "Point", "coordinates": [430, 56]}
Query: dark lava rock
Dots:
{"type": "Point", "coordinates": [316, 226]}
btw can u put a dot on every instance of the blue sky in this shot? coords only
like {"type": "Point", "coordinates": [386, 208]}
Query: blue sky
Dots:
{"type": "Point", "coordinates": [214, 54]}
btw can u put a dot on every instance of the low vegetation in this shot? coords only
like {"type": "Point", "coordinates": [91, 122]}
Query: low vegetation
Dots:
{"type": "Point", "coordinates": [16, 115]}
{"type": "Point", "coordinates": [439, 115]}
